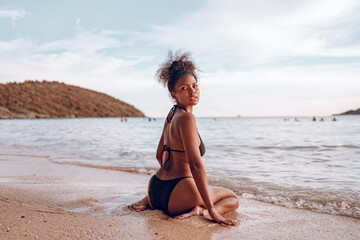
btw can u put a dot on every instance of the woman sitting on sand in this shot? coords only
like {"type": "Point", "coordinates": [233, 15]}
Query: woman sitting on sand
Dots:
{"type": "Point", "coordinates": [180, 186]}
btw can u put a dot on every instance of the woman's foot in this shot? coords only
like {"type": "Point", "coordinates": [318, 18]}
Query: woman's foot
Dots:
{"type": "Point", "coordinates": [141, 205]}
{"type": "Point", "coordinates": [196, 211]}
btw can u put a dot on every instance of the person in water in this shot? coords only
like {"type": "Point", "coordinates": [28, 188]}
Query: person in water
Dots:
{"type": "Point", "coordinates": [180, 186]}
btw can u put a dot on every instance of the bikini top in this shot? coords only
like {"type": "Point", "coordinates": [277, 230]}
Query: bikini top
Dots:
{"type": "Point", "coordinates": [168, 149]}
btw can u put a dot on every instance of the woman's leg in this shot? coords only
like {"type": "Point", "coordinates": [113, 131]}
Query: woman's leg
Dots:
{"type": "Point", "coordinates": [186, 198]}
{"type": "Point", "coordinates": [227, 202]}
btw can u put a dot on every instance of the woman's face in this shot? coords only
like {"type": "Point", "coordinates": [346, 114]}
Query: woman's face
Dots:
{"type": "Point", "coordinates": [186, 91]}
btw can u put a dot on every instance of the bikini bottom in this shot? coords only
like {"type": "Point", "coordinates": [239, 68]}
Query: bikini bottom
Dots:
{"type": "Point", "coordinates": [160, 191]}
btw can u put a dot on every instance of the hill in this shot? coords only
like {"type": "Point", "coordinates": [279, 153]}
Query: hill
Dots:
{"type": "Point", "coordinates": [351, 112]}
{"type": "Point", "coordinates": [34, 99]}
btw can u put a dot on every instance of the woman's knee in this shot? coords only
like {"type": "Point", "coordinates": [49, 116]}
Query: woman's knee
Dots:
{"type": "Point", "coordinates": [234, 199]}
{"type": "Point", "coordinates": [233, 195]}
{"type": "Point", "coordinates": [235, 202]}
{"type": "Point", "coordinates": [219, 193]}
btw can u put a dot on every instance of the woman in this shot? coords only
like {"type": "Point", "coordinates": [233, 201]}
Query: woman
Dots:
{"type": "Point", "coordinates": [180, 186]}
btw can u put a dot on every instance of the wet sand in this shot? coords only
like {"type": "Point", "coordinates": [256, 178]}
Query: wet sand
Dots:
{"type": "Point", "coordinates": [44, 200]}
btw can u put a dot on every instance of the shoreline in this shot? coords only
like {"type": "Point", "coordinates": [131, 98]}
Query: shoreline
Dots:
{"type": "Point", "coordinates": [44, 200]}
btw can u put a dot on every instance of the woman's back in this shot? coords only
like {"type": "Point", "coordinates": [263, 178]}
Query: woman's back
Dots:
{"type": "Point", "coordinates": [172, 152]}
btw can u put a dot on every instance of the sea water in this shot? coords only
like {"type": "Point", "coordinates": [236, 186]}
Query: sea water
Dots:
{"type": "Point", "coordinates": [298, 164]}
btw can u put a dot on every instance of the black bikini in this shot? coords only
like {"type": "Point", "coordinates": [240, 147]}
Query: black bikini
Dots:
{"type": "Point", "coordinates": [169, 150]}
{"type": "Point", "coordinates": [160, 190]}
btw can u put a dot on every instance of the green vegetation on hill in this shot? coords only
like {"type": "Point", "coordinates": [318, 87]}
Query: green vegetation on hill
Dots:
{"type": "Point", "coordinates": [34, 99]}
{"type": "Point", "coordinates": [351, 112]}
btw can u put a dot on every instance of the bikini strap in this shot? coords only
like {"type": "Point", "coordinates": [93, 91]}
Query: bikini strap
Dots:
{"type": "Point", "coordinates": [169, 150]}
{"type": "Point", "coordinates": [165, 149]}
{"type": "Point", "coordinates": [172, 111]}
{"type": "Point", "coordinates": [180, 107]}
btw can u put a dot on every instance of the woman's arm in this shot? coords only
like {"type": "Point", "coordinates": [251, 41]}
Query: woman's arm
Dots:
{"type": "Point", "coordinates": [189, 135]}
{"type": "Point", "coordinates": [160, 148]}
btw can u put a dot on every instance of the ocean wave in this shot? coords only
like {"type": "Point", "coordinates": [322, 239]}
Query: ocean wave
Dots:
{"type": "Point", "coordinates": [334, 206]}
{"type": "Point", "coordinates": [286, 148]}
{"type": "Point", "coordinates": [137, 170]}
{"type": "Point", "coordinates": [339, 202]}
{"type": "Point", "coordinates": [342, 146]}
{"type": "Point", "coordinates": [305, 148]}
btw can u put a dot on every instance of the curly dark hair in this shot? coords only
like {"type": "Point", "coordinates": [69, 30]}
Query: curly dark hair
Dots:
{"type": "Point", "coordinates": [174, 67]}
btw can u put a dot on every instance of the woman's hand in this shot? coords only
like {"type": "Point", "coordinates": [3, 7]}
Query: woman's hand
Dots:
{"type": "Point", "coordinates": [216, 216]}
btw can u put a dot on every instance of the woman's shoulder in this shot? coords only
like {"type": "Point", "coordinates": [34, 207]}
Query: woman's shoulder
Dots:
{"type": "Point", "coordinates": [185, 118]}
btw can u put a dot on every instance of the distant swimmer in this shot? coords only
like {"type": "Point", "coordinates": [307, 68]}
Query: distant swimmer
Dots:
{"type": "Point", "coordinates": [314, 119]}
{"type": "Point", "coordinates": [322, 119]}
{"type": "Point", "coordinates": [334, 119]}
{"type": "Point", "coordinates": [296, 120]}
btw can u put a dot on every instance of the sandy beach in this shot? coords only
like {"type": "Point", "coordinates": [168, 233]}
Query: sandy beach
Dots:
{"type": "Point", "coordinates": [44, 200]}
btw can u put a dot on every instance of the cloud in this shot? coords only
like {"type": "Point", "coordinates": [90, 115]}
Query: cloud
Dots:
{"type": "Point", "coordinates": [253, 32]}
{"type": "Point", "coordinates": [299, 57]}
{"type": "Point", "coordinates": [13, 15]}
{"type": "Point", "coordinates": [83, 51]}
{"type": "Point", "coordinates": [280, 91]}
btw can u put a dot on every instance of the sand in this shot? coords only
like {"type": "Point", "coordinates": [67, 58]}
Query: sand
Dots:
{"type": "Point", "coordinates": [44, 200]}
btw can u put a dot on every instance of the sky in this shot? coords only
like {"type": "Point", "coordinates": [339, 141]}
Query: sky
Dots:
{"type": "Point", "coordinates": [258, 57]}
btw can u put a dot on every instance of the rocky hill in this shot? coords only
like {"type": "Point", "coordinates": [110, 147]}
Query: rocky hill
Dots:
{"type": "Point", "coordinates": [351, 112]}
{"type": "Point", "coordinates": [34, 99]}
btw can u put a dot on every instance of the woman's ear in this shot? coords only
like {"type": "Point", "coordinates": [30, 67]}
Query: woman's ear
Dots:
{"type": "Point", "coordinates": [173, 95]}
